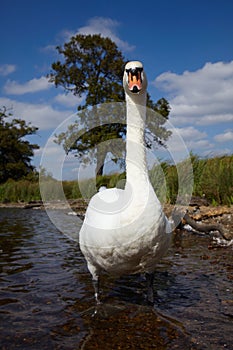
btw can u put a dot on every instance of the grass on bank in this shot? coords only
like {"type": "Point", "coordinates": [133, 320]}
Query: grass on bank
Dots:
{"type": "Point", "coordinates": [212, 178]}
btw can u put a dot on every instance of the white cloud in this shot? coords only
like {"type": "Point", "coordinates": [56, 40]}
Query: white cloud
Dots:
{"type": "Point", "coordinates": [107, 27]}
{"type": "Point", "coordinates": [224, 137]}
{"type": "Point", "coordinates": [49, 48]}
{"type": "Point", "coordinates": [14, 88]}
{"type": "Point", "coordinates": [69, 100]}
{"type": "Point", "coordinates": [196, 145]}
{"type": "Point", "coordinates": [192, 138]}
{"type": "Point", "coordinates": [6, 69]}
{"type": "Point", "coordinates": [210, 119]}
{"type": "Point", "coordinates": [217, 152]}
{"type": "Point", "coordinates": [202, 97]}
{"type": "Point", "coordinates": [191, 133]}
{"type": "Point", "coordinates": [44, 116]}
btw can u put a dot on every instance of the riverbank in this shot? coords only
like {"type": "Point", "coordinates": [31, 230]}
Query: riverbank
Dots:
{"type": "Point", "coordinates": [206, 214]}
{"type": "Point", "coordinates": [75, 204]}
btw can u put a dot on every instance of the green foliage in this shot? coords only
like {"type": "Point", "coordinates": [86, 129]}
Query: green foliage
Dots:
{"type": "Point", "coordinates": [19, 191]}
{"type": "Point", "coordinates": [158, 176]}
{"type": "Point", "coordinates": [198, 165]}
{"type": "Point", "coordinates": [213, 178]}
{"type": "Point", "coordinates": [15, 151]}
{"type": "Point", "coordinates": [216, 181]}
{"type": "Point", "coordinates": [172, 184]}
{"type": "Point", "coordinates": [210, 178]}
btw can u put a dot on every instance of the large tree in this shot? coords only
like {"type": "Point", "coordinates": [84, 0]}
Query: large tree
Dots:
{"type": "Point", "coordinates": [92, 66]}
{"type": "Point", "coordinates": [15, 151]}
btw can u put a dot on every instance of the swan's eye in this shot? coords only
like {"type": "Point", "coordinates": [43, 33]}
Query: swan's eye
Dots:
{"type": "Point", "coordinates": [134, 70]}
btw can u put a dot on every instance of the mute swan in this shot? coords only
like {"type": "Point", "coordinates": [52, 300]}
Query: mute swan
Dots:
{"type": "Point", "coordinates": [126, 231]}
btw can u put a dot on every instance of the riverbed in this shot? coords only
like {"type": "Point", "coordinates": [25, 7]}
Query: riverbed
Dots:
{"type": "Point", "coordinates": [46, 294]}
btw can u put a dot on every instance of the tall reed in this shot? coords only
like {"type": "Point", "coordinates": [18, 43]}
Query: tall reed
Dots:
{"type": "Point", "coordinates": [211, 178]}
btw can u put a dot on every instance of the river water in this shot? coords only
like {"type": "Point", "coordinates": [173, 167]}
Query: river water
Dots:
{"type": "Point", "coordinates": [46, 295]}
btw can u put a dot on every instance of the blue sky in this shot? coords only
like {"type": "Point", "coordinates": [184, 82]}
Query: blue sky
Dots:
{"type": "Point", "coordinates": [186, 48]}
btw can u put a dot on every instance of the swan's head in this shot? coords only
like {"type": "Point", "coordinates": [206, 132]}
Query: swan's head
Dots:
{"type": "Point", "coordinates": [134, 79]}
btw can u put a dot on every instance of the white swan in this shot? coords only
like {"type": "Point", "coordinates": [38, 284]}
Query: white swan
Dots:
{"type": "Point", "coordinates": [126, 231]}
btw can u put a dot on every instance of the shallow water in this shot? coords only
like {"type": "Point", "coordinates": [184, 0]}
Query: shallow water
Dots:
{"type": "Point", "coordinates": [46, 295]}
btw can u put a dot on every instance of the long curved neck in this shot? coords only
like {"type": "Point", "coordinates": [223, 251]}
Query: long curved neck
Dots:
{"type": "Point", "coordinates": [136, 167]}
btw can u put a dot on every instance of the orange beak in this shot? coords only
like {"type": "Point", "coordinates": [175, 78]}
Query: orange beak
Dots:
{"type": "Point", "coordinates": [135, 81]}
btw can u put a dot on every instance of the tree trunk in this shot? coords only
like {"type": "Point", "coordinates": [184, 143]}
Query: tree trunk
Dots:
{"type": "Point", "coordinates": [101, 155]}
{"type": "Point", "coordinates": [99, 170]}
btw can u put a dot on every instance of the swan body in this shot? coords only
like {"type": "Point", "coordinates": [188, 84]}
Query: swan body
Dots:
{"type": "Point", "coordinates": [126, 231]}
